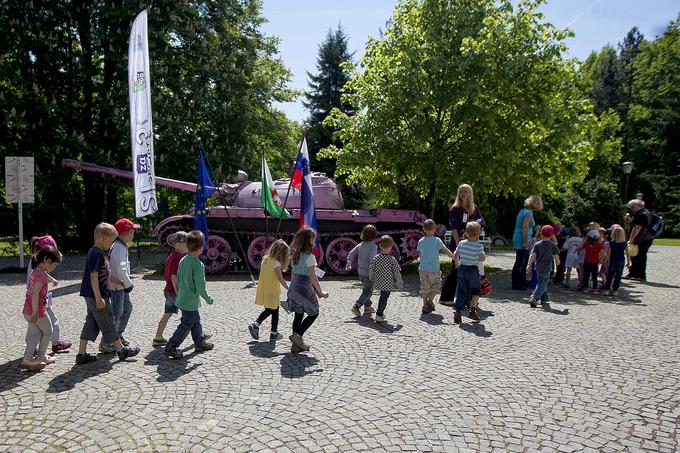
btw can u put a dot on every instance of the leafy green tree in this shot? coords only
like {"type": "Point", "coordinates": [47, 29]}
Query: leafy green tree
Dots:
{"type": "Point", "coordinates": [64, 93]}
{"type": "Point", "coordinates": [604, 79]}
{"type": "Point", "coordinates": [476, 91]}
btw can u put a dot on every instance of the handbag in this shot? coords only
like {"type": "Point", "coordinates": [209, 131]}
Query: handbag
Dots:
{"type": "Point", "coordinates": [632, 250]}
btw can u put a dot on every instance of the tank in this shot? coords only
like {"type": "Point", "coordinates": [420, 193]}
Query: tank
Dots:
{"type": "Point", "coordinates": [339, 229]}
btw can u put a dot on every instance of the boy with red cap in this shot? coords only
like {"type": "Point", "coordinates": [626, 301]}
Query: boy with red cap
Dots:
{"type": "Point", "coordinates": [543, 254]}
{"type": "Point", "coordinates": [119, 280]}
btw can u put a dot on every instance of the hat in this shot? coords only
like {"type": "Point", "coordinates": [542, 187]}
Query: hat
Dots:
{"type": "Point", "coordinates": [177, 238]}
{"type": "Point", "coordinates": [547, 231]}
{"type": "Point", "coordinates": [557, 228]}
{"type": "Point", "coordinates": [44, 241]}
{"type": "Point", "coordinates": [125, 225]}
{"type": "Point", "coordinates": [615, 225]}
{"type": "Point", "coordinates": [593, 234]}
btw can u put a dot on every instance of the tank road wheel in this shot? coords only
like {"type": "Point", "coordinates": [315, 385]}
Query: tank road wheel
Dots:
{"type": "Point", "coordinates": [216, 254]}
{"type": "Point", "coordinates": [409, 247]}
{"type": "Point", "coordinates": [336, 253]}
{"type": "Point", "coordinates": [257, 249]}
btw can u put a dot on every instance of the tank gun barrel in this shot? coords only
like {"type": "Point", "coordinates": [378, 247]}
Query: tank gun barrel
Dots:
{"type": "Point", "coordinates": [94, 168]}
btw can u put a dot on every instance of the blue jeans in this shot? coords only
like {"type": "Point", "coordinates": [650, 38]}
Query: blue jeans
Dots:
{"type": "Point", "coordinates": [468, 285]}
{"type": "Point", "coordinates": [382, 302]}
{"type": "Point", "coordinates": [121, 308]}
{"type": "Point", "coordinates": [366, 292]}
{"type": "Point", "coordinates": [190, 322]}
{"type": "Point", "coordinates": [614, 275]}
{"type": "Point", "coordinates": [541, 290]}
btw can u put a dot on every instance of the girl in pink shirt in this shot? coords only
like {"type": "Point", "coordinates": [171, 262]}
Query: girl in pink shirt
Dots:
{"type": "Point", "coordinates": [35, 309]}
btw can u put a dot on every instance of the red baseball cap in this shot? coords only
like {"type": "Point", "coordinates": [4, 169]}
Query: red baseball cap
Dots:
{"type": "Point", "coordinates": [547, 231]}
{"type": "Point", "coordinates": [125, 225]}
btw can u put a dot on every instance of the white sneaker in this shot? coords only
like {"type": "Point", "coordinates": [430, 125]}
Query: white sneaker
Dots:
{"type": "Point", "coordinates": [47, 359]}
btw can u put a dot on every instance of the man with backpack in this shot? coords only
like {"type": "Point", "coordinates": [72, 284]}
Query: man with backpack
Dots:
{"type": "Point", "coordinates": [643, 227]}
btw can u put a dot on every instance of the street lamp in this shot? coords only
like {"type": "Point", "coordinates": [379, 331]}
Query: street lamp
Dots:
{"type": "Point", "coordinates": [627, 170]}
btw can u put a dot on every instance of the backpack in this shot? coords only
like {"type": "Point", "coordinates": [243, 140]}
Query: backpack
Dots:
{"type": "Point", "coordinates": [655, 224]}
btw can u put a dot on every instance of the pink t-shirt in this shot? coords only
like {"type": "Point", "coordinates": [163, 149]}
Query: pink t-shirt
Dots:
{"type": "Point", "coordinates": [37, 276]}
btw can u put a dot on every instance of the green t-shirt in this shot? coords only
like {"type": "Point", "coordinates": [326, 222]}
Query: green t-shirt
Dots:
{"type": "Point", "coordinates": [191, 283]}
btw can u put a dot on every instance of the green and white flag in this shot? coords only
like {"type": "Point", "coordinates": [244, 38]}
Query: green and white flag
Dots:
{"type": "Point", "coordinates": [271, 202]}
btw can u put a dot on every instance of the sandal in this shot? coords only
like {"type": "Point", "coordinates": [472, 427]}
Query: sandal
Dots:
{"type": "Point", "coordinates": [61, 345]}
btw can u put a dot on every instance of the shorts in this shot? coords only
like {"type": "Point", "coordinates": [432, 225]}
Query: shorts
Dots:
{"type": "Point", "coordinates": [430, 284]}
{"type": "Point", "coordinates": [98, 321]}
{"type": "Point", "coordinates": [170, 306]}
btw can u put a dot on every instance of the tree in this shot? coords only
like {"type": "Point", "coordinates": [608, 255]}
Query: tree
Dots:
{"type": "Point", "coordinates": [64, 92]}
{"type": "Point", "coordinates": [454, 92]}
{"type": "Point", "coordinates": [603, 77]}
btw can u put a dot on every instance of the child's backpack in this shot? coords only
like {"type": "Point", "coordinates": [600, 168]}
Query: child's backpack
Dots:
{"type": "Point", "coordinates": [655, 223]}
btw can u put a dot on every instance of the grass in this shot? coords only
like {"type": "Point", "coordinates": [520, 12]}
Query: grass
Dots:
{"type": "Point", "coordinates": [9, 247]}
{"type": "Point", "coordinates": [667, 241]}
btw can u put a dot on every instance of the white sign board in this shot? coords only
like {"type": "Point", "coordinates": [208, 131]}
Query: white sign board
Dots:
{"type": "Point", "coordinates": [19, 180]}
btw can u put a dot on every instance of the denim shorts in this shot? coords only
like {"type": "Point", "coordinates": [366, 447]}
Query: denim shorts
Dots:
{"type": "Point", "coordinates": [170, 302]}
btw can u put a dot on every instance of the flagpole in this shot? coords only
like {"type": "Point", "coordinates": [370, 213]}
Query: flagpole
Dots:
{"type": "Point", "coordinates": [290, 183]}
{"type": "Point", "coordinates": [253, 282]}
{"type": "Point", "coordinates": [264, 209]}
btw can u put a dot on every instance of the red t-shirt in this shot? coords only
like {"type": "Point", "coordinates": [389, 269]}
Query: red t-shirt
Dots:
{"type": "Point", "coordinates": [592, 251]}
{"type": "Point", "coordinates": [171, 266]}
{"type": "Point", "coordinates": [37, 276]}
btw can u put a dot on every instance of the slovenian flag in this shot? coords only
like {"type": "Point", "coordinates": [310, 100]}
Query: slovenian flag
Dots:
{"type": "Point", "coordinates": [270, 199]}
{"type": "Point", "coordinates": [302, 181]}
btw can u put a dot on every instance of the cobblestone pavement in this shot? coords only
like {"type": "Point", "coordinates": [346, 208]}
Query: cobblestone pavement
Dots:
{"type": "Point", "coordinates": [589, 374]}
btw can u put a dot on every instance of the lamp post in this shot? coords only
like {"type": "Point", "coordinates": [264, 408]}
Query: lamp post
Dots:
{"type": "Point", "coordinates": [627, 170]}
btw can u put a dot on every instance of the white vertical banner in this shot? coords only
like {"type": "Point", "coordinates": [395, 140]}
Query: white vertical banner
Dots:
{"type": "Point", "coordinates": [141, 127]}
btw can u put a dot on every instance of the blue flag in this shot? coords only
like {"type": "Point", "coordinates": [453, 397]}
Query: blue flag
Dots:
{"type": "Point", "coordinates": [204, 189]}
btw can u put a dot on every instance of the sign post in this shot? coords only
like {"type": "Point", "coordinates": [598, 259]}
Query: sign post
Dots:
{"type": "Point", "coordinates": [19, 188]}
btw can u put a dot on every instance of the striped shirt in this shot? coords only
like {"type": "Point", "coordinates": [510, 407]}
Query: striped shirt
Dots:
{"type": "Point", "coordinates": [469, 252]}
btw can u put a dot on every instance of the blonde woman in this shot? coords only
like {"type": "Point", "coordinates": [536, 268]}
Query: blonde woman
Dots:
{"type": "Point", "coordinates": [462, 211]}
{"type": "Point", "coordinates": [524, 226]}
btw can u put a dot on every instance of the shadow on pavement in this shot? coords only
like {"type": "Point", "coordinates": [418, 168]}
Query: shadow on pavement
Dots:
{"type": "Point", "coordinates": [11, 375]}
{"type": "Point", "coordinates": [264, 349]}
{"type": "Point", "coordinates": [168, 369]}
{"type": "Point", "coordinates": [433, 319]}
{"type": "Point", "coordinates": [295, 365]}
{"type": "Point", "coordinates": [365, 321]}
{"type": "Point", "coordinates": [475, 328]}
{"type": "Point", "coordinates": [79, 373]}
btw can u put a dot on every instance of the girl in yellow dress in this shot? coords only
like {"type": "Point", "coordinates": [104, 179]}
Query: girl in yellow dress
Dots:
{"type": "Point", "coordinates": [274, 263]}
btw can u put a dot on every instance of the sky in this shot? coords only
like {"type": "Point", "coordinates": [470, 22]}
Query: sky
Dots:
{"type": "Point", "coordinates": [302, 25]}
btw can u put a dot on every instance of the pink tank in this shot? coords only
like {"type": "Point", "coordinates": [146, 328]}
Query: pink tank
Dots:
{"type": "Point", "coordinates": [339, 229]}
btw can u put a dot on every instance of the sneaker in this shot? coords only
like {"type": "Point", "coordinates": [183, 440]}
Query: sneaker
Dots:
{"type": "Point", "coordinates": [123, 340]}
{"type": "Point", "coordinates": [472, 314]}
{"type": "Point", "coordinates": [160, 341]}
{"type": "Point", "coordinates": [532, 302]}
{"type": "Point", "coordinates": [380, 319]}
{"type": "Point", "coordinates": [32, 365]}
{"type": "Point", "coordinates": [368, 310]}
{"type": "Point", "coordinates": [446, 303]}
{"type": "Point", "coordinates": [127, 351]}
{"type": "Point", "coordinates": [203, 347]}
{"type": "Point", "coordinates": [426, 310]}
{"type": "Point", "coordinates": [106, 348]}
{"type": "Point", "coordinates": [254, 330]}
{"type": "Point", "coordinates": [84, 357]}
{"type": "Point", "coordinates": [297, 340]}
{"type": "Point", "coordinates": [356, 312]}
{"type": "Point", "coordinates": [174, 353]}
{"type": "Point", "coordinates": [61, 345]}
{"type": "Point", "coordinates": [274, 336]}
{"type": "Point", "coordinates": [294, 349]}
{"type": "Point", "coordinates": [457, 318]}
{"type": "Point", "coordinates": [47, 360]}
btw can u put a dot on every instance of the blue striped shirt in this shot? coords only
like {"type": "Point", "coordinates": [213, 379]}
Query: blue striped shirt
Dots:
{"type": "Point", "coordinates": [469, 252]}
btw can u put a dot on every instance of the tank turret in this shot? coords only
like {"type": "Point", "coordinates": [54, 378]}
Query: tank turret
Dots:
{"type": "Point", "coordinates": [339, 229]}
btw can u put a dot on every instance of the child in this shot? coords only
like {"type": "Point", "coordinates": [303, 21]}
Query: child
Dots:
{"type": "Point", "coordinates": [274, 263]}
{"type": "Point", "coordinates": [119, 278]}
{"type": "Point", "coordinates": [534, 276]}
{"type": "Point", "coordinates": [593, 257]}
{"type": "Point", "coordinates": [385, 274]}
{"type": "Point", "coordinates": [95, 290]}
{"type": "Point", "coordinates": [466, 258]}
{"type": "Point", "coordinates": [429, 247]}
{"type": "Point", "coordinates": [191, 283]}
{"type": "Point", "coordinates": [617, 248]}
{"type": "Point", "coordinates": [36, 244]}
{"type": "Point", "coordinates": [304, 289]}
{"type": "Point", "coordinates": [543, 254]}
{"type": "Point", "coordinates": [178, 241]}
{"type": "Point", "coordinates": [604, 268]}
{"type": "Point", "coordinates": [35, 309]}
{"type": "Point", "coordinates": [572, 246]}
{"type": "Point", "coordinates": [365, 253]}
